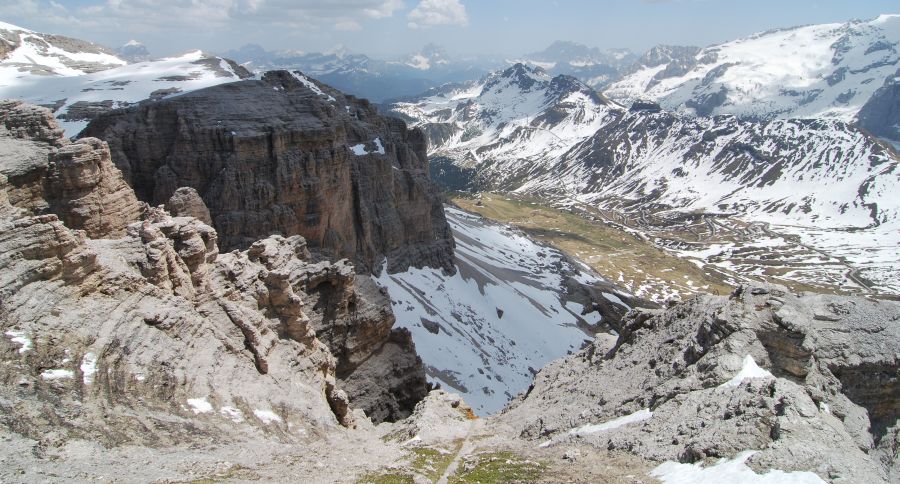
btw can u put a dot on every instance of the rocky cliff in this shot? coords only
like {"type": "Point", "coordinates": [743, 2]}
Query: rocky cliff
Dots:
{"type": "Point", "coordinates": [807, 382]}
{"type": "Point", "coordinates": [287, 155]}
{"type": "Point", "coordinates": [124, 324]}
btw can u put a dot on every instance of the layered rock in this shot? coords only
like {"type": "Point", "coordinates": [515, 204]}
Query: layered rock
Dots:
{"type": "Point", "coordinates": [87, 191]}
{"type": "Point", "coordinates": [823, 397]}
{"type": "Point", "coordinates": [75, 180]}
{"type": "Point", "coordinates": [287, 155]}
{"type": "Point", "coordinates": [148, 334]}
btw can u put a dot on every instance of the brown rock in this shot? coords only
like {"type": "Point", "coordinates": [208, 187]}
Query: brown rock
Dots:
{"type": "Point", "coordinates": [87, 191]}
{"type": "Point", "coordinates": [186, 202]}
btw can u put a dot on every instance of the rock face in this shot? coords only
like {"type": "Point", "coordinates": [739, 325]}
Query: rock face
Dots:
{"type": "Point", "coordinates": [824, 400]}
{"type": "Point", "coordinates": [287, 155]}
{"type": "Point", "coordinates": [881, 113]}
{"type": "Point", "coordinates": [141, 331]}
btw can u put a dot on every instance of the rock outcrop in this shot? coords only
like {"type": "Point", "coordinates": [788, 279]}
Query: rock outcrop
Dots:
{"type": "Point", "coordinates": [74, 180]}
{"type": "Point", "coordinates": [87, 191]}
{"type": "Point", "coordinates": [881, 113]}
{"type": "Point", "coordinates": [287, 155]}
{"type": "Point", "coordinates": [134, 328]}
{"type": "Point", "coordinates": [808, 382]}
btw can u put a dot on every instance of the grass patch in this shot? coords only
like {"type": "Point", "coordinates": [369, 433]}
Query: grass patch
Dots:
{"type": "Point", "coordinates": [236, 471]}
{"type": "Point", "coordinates": [432, 463]}
{"type": "Point", "coordinates": [387, 479]}
{"type": "Point", "coordinates": [617, 255]}
{"type": "Point", "coordinates": [497, 467]}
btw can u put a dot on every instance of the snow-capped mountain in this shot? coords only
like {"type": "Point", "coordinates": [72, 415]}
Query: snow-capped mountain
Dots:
{"type": "Point", "coordinates": [816, 71]}
{"type": "Point", "coordinates": [77, 99]}
{"type": "Point", "coordinates": [511, 307]}
{"type": "Point", "coordinates": [134, 51]}
{"type": "Point", "coordinates": [25, 53]}
{"type": "Point", "coordinates": [519, 114]}
{"type": "Point", "coordinates": [431, 56]}
{"type": "Point", "coordinates": [594, 66]}
{"type": "Point", "coordinates": [520, 130]}
{"type": "Point", "coordinates": [78, 79]}
{"type": "Point", "coordinates": [363, 76]}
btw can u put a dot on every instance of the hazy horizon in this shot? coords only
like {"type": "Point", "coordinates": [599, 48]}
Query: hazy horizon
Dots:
{"type": "Point", "coordinates": [391, 28]}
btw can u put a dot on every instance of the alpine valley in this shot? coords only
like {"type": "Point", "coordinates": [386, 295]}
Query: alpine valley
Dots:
{"type": "Point", "coordinates": [580, 264]}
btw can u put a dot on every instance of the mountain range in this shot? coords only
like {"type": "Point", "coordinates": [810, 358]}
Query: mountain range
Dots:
{"type": "Point", "coordinates": [829, 71]}
{"type": "Point", "coordinates": [215, 271]}
{"type": "Point", "coordinates": [524, 131]}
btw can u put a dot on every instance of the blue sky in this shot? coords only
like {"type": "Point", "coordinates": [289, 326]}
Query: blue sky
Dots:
{"type": "Point", "coordinates": [389, 28]}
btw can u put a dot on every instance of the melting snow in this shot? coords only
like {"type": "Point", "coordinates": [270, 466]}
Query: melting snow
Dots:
{"type": "Point", "coordinates": [734, 471]}
{"type": "Point", "coordinates": [57, 374]}
{"type": "Point", "coordinates": [379, 148]}
{"type": "Point", "coordinates": [615, 423]}
{"type": "Point", "coordinates": [232, 414]}
{"type": "Point", "coordinates": [267, 416]}
{"type": "Point", "coordinates": [199, 405]}
{"type": "Point", "coordinates": [483, 331]}
{"type": "Point", "coordinates": [360, 149]}
{"type": "Point", "coordinates": [88, 368]}
{"type": "Point", "coordinates": [19, 338]}
{"type": "Point", "coordinates": [311, 85]}
{"type": "Point", "coordinates": [749, 370]}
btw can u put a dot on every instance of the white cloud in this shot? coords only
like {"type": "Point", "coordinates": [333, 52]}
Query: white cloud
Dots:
{"type": "Point", "coordinates": [429, 13]}
{"type": "Point", "coordinates": [161, 15]}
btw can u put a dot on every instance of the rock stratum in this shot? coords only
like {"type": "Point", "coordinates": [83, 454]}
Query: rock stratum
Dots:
{"type": "Point", "coordinates": [285, 154]}
{"type": "Point", "coordinates": [808, 383]}
{"type": "Point", "coordinates": [124, 324]}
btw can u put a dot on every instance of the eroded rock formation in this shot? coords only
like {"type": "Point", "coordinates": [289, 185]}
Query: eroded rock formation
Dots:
{"type": "Point", "coordinates": [136, 329]}
{"type": "Point", "coordinates": [288, 155]}
{"type": "Point", "coordinates": [830, 404]}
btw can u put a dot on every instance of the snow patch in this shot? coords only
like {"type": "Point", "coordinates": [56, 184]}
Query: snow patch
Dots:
{"type": "Point", "coordinates": [88, 368]}
{"type": "Point", "coordinates": [266, 416]}
{"type": "Point", "coordinates": [749, 370]}
{"type": "Point", "coordinates": [311, 85]}
{"type": "Point", "coordinates": [232, 414]}
{"type": "Point", "coordinates": [360, 149]}
{"type": "Point", "coordinates": [19, 338]}
{"type": "Point", "coordinates": [615, 423]}
{"type": "Point", "coordinates": [734, 471]}
{"type": "Point", "coordinates": [57, 374]}
{"type": "Point", "coordinates": [199, 405]}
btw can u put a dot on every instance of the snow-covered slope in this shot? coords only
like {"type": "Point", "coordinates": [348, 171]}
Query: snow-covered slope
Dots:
{"type": "Point", "coordinates": [77, 99]}
{"type": "Point", "coordinates": [364, 76]}
{"type": "Point", "coordinates": [825, 181]}
{"type": "Point", "coordinates": [25, 53]}
{"type": "Point", "coordinates": [506, 312]}
{"type": "Point", "coordinates": [78, 79]}
{"type": "Point", "coordinates": [822, 173]}
{"type": "Point", "coordinates": [816, 71]}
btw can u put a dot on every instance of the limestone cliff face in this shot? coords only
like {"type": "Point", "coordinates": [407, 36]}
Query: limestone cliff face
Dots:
{"type": "Point", "coordinates": [137, 329]}
{"type": "Point", "coordinates": [286, 155]}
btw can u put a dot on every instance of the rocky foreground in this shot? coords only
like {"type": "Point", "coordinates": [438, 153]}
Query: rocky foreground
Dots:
{"type": "Point", "coordinates": [134, 350]}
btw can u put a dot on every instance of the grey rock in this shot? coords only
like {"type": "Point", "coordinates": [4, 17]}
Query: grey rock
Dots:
{"type": "Point", "coordinates": [273, 156]}
{"type": "Point", "coordinates": [831, 407]}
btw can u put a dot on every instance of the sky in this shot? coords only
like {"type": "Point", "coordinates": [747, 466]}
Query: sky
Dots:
{"type": "Point", "coordinates": [390, 28]}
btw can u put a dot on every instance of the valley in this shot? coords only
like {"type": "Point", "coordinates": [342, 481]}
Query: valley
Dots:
{"type": "Point", "coordinates": [665, 256]}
